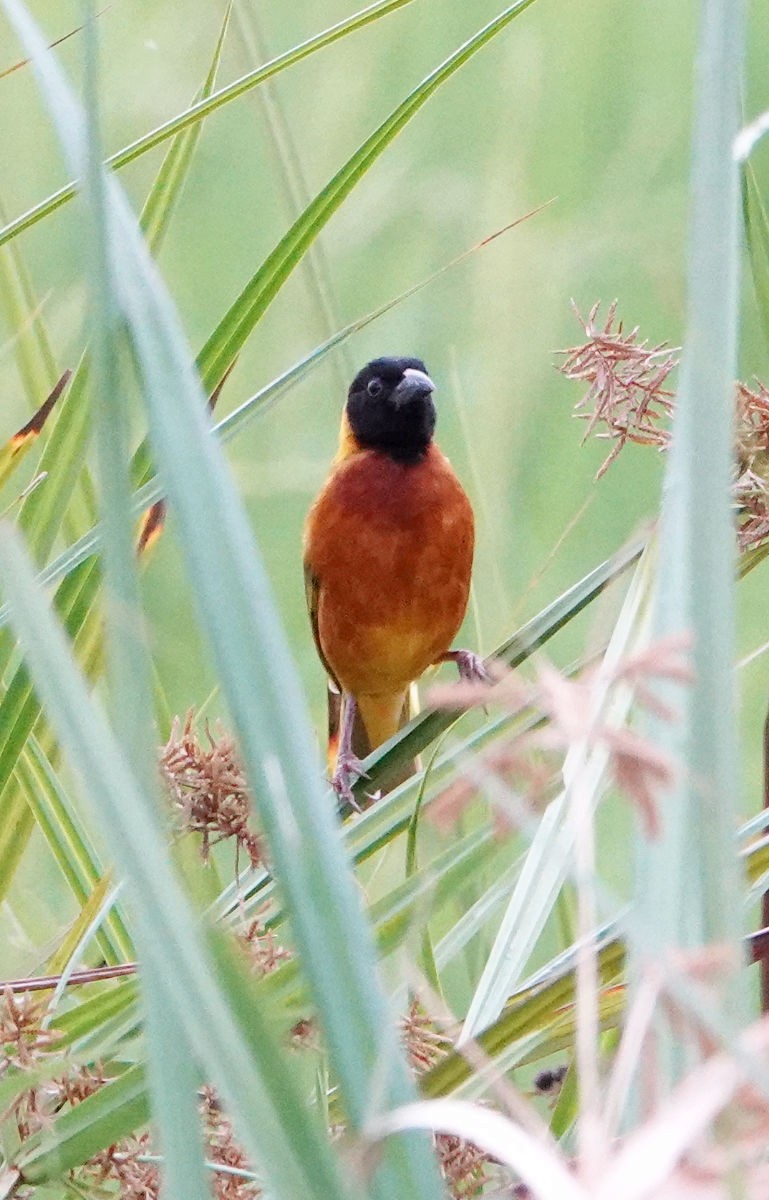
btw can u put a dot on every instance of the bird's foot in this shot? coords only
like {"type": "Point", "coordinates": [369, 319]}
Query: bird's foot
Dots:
{"type": "Point", "coordinates": [349, 769]}
{"type": "Point", "coordinates": [471, 666]}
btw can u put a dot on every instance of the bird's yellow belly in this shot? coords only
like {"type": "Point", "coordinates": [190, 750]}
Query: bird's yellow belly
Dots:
{"type": "Point", "coordinates": [383, 659]}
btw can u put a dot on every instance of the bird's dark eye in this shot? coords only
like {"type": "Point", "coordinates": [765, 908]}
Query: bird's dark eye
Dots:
{"type": "Point", "coordinates": [374, 387]}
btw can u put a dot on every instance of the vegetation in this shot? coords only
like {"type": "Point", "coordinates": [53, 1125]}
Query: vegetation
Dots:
{"type": "Point", "coordinates": [524, 970]}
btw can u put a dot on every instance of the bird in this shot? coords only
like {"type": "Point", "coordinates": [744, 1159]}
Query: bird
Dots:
{"type": "Point", "coordinates": [388, 553]}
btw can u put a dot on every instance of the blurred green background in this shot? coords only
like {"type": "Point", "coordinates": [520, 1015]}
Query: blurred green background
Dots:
{"type": "Point", "coordinates": [584, 104]}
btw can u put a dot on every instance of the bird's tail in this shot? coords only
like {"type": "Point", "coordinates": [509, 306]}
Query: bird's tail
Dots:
{"type": "Point", "coordinates": [377, 719]}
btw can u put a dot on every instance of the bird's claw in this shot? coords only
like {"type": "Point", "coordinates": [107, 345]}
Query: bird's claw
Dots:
{"type": "Point", "coordinates": [471, 666]}
{"type": "Point", "coordinates": [349, 769]}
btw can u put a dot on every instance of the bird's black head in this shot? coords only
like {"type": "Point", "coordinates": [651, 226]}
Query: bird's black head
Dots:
{"type": "Point", "coordinates": [390, 408]}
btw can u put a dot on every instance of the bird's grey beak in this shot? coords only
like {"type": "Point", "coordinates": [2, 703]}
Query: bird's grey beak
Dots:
{"type": "Point", "coordinates": [413, 384]}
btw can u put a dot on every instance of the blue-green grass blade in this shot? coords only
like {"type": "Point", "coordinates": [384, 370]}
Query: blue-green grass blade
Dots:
{"type": "Point", "coordinates": [175, 1082]}
{"type": "Point", "coordinates": [688, 888]}
{"type": "Point", "coordinates": [172, 1068]}
{"type": "Point", "coordinates": [260, 685]}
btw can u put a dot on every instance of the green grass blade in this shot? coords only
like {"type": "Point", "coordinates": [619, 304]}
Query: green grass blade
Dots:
{"type": "Point", "coordinates": [167, 187]}
{"type": "Point", "coordinates": [530, 1014]}
{"type": "Point", "coordinates": [77, 858]}
{"type": "Point", "coordinates": [19, 713]}
{"type": "Point", "coordinates": [88, 1028]}
{"type": "Point", "coordinates": [100, 1120]}
{"type": "Point", "coordinates": [35, 359]}
{"type": "Point", "coordinates": [207, 106]}
{"type": "Point", "coordinates": [757, 231]}
{"type": "Point", "coordinates": [229, 336]}
{"type": "Point", "coordinates": [62, 460]}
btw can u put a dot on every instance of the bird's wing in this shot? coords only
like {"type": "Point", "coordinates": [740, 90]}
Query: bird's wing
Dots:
{"type": "Point", "coordinates": [312, 597]}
